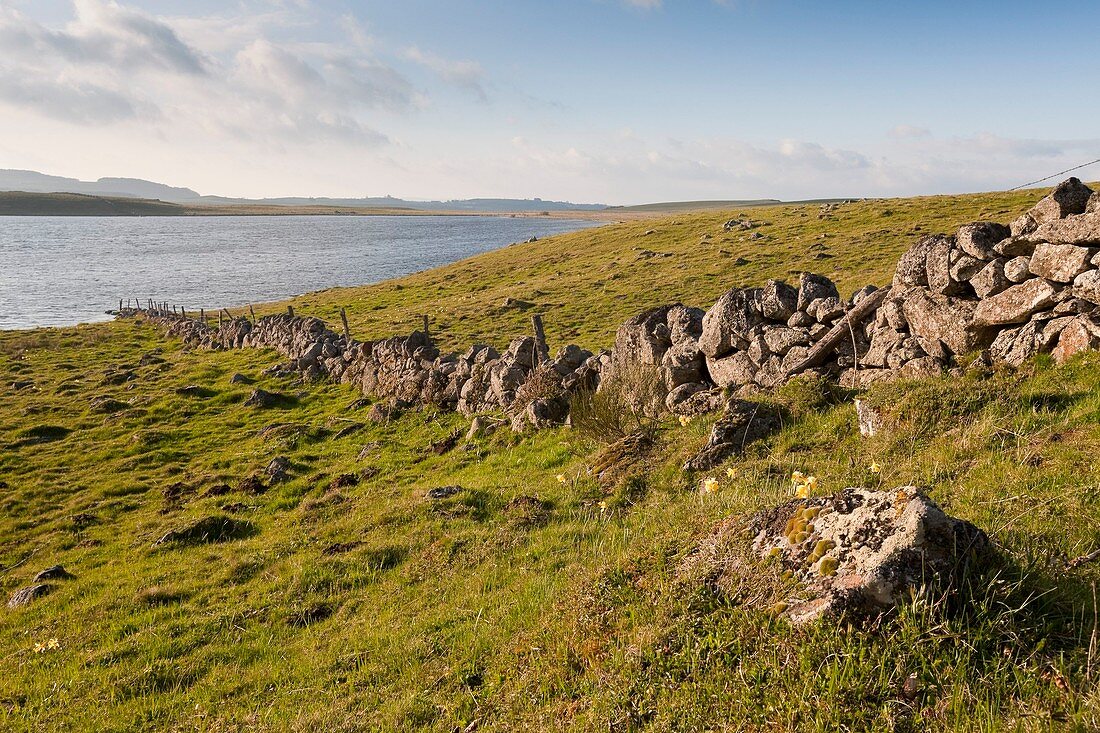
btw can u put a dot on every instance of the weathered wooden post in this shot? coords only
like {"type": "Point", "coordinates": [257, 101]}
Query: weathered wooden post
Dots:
{"type": "Point", "coordinates": [542, 351]}
{"type": "Point", "coordinates": [120, 305]}
{"type": "Point", "coordinates": [228, 317]}
{"type": "Point", "coordinates": [202, 315]}
{"type": "Point", "coordinates": [344, 320]}
{"type": "Point", "coordinates": [219, 319]}
{"type": "Point", "coordinates": [290, 311]}
{"type": "Point", "coordinates": [183, 311]}
{"type": "Point", "coordinates": [426, 333]}
{"type": "Point", "coordinates": [251, 312]}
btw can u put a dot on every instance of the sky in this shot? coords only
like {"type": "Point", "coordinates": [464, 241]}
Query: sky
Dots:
{"type": "Point", "coordinates": [609, 101]}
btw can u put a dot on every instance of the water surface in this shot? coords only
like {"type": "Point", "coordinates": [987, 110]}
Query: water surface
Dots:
{"type": "Point", "coordinates": [59, 271]}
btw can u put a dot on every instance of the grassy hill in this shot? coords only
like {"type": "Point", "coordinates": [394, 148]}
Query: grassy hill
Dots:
{"type": "Point", "coordinates": [344, 598]}
{"type": "Point", "coordinates": [21, 203]}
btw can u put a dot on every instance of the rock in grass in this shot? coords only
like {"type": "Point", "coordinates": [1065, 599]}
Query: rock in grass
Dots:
{"type": "Point", "coordinates": [443, 492]}
{"type": "Point", "coordinates": [742, 423]}
{"type": "Point", "coordinates": [55, 572]}
{"type": "Point", "coordinates": [208, 530]}
{"type": "Point", "coordinates": [24, 596]}
{"type": "Point", "coordinates": [107, 405]}
{"type": "Point", "coordinates": [278, 469]}
{"type": "Point", "coordinates": [262, 398]}
{"type": "Point", "coordinates": [195, 390]}
{"type": "Point", "coordinates": [860, 552]}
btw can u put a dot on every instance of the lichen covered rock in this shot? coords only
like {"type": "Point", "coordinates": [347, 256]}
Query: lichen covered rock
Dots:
{"type": "Point", "coordinates": [860, 551]}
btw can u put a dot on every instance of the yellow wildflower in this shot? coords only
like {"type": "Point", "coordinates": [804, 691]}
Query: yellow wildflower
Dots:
{"type": "Point", "coordinates": [730, 473]}
{"type": "Point", "coordinates": [802, 491]}
{"type": "Point", "coordinates": [561, 478]}
{"type": "Point", "coordinates": [710, 485]}
{"type": "Point", "coordinates": [874, 468]}
{"type": "Point", "coordinates": [603, 506]}
{"type": "Point", "coordinates": [685, 420]}
{"type": "Point", "coordinates": [811, 483]}
{"type": "Point", "coordinates": [53, 644]}
{"type": "Point", "coordinates": [798, 477]}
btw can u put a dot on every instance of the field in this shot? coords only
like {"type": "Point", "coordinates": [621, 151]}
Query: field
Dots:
{"type": "Point", "coordinates": [535, 597]}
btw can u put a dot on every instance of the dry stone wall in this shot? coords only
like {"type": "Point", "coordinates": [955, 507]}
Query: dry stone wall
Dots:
{"type": "Point", "coordinates": [1006, 291]}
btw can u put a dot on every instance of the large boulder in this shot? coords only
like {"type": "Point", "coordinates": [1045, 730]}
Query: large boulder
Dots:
{"type": "Point", "coordinates": [778, 301]}
{"type": "Point", "coordinates": [811, 287]}
{"type": "Point", "coordinates": [938, 267]}
{"type": "Point", "coordinates": [1080, 229]}
{"type": "Point", "coordinates": [1087, 286]}
{"type": "Point", "coordinates": [912, 268]}
{"type": "Point", "coordinates": [991, 279]}
{"type": "Point", "coordinates": [860, 552]}
{"type": "Point", "coordinates": [733, 370]}
{"type": "Point", "coordinates": [645, 338]}
{"type": "Point", "coordinates": [727, 324]}
{"type": "Point", "coordinates": [950, 320]}
{"type": "Point", "coordinates": [1016, 304]}
{"type": "Point", "coordinates": [1059, 262]}
{"type": "Point", "coordinates": [1080, 334]}
{"type": "Point", "coordinates": [978, 239]}
{"type": "Point", "coordinates": [1068, 197]}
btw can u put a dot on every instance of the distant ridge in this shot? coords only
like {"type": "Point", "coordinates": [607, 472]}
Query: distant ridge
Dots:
{"type": "Point", "coordinates": [34, 182]}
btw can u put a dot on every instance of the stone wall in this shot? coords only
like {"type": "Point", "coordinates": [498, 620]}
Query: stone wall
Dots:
{"type": "Point", "coordinates": [1005, 291]}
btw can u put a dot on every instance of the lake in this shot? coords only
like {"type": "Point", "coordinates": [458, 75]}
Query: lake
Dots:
{"type": "Point", "coordinates": [59, 271]}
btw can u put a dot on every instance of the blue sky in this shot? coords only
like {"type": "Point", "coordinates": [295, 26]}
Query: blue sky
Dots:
{"type": "Point", "coordinates": [617, 101]}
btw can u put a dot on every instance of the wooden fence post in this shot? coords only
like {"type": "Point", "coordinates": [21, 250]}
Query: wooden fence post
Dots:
{"type": "Point", "coordinates": [541, 349]}
{"type": "Point", "coordinates": [426, 333]}
{"type": "Point", "coordinates": [344, 320]}
{"type": "Point", "coordinates": [202, 315]}
{"type": "Point", "coordinates": [290, 311]}
{"type": "Point", "coordinates": [219, 319]}
{"type": "Point", "coordinates": [251, 312]}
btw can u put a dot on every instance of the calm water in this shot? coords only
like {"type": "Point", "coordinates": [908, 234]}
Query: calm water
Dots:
{"type": "Point", "coordinates": [58, 271]}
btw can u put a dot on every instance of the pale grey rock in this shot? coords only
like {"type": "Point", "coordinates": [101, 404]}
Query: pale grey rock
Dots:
{"type": "Point", "coordinates": [727, 323]}
{"type": "Point", "coordinates": [1017, 269]}
{"type": "Point", "coordinates": [1016, 304]}
{"type": "Point", "coordinates": [964, 267]}
{"type": "Point", "coordinates": [778, 301]}
{"type": "Point", "coordinates": [1059, 262]}
{"type": "Point", "coordinates": [1087, 286]}
{"type": "Point", "coordinates": [859, 552]}
{"type": "Point", "coordinates": [1068, 197]}
{"type": "Point", "coordinates": [950, 320]}
{"type": "Point", "coordinates": [978, 239]}
{"type": "Point", "coordinates": [731, 371]}
{"type": "Point", "coordinates": [991, 279]}
{"type": "Point", "coordinates": [811, 287]}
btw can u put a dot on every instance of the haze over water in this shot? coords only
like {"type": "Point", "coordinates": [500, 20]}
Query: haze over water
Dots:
{"type": "Point", "coordinates": [59, 271]}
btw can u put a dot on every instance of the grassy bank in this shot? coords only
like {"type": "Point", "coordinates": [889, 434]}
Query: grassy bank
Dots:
{"type": "Point", "coordinates": [344, 598]}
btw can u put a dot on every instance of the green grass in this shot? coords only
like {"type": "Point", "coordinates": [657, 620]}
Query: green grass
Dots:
{"type": "Point", "coordinates": [589, 282]}
{"type": "Point", "coordinates": [370, 607]}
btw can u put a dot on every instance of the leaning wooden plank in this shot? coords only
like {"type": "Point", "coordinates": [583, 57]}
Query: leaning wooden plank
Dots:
{"type": "Point", "coordinates": [838, 333]}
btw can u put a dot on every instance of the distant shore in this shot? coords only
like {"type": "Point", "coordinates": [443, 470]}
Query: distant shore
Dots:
{"type": "Point", "coordinates": [21, 203]}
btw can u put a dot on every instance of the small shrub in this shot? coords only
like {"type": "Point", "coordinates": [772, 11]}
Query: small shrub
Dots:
{"type": "Point", "coordinates": [627, 402]}
{"type": "Point", "coordinates": [542, 384]}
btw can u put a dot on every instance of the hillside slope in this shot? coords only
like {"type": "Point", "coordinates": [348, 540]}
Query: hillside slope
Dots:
{"type": "Point", "coordinates": [213, 592]}
{"type": "Point", "coordinates": [589, 282]}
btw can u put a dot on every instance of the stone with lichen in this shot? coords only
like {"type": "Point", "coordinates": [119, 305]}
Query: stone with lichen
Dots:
{"type": "Point", "coordinates": [861, 551]}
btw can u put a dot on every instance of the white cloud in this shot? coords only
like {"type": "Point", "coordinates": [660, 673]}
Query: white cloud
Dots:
{"type": "Point", "coordinates": [462, 73]}
{"type": "Point", "coordinates": [223, 74]}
